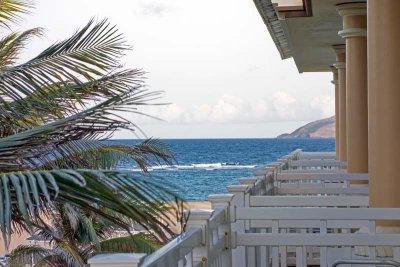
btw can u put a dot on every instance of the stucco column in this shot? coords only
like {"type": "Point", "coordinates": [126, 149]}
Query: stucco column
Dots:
{"type": "Point", "coordinates": [355, 32]}
{"type": "Point", "coordinates": [341, 67]}
{"type": "Point", "coordinates": [336, 83]}
{"type": "Point", "coordinates": [384, 102]}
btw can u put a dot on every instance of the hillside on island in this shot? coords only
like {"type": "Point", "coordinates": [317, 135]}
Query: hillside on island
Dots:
{"type": "Point", "coordinates": [324, 128]}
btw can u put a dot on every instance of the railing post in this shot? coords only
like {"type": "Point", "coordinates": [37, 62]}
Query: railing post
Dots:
{"type": "Point", "coordinates": [199, 219]}
{"type": "Point", "coordinates": [270, 181]}
{"type": "Point", "coordinates": [220, 201]}
{"type": "Point", "coordinates": [239, 200]}
{"type": "Point", "coordinates": [267, 174]}
{"type": "Point", "coordinates": [284, 161]}
{"type": "Point", "coordinates": [224, 201]}
{"type": "Point", "coordinates": [274, 169]}
{"type": "Point", "coordinates": [117, 260]}
{"type": "Point", "coordinates": [251, 182]}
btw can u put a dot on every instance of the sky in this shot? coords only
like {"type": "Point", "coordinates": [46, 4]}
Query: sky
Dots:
{"type": "Point", "coordinates": [213, 59]}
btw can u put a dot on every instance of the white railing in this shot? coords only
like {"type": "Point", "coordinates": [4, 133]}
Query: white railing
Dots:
{"type": "Point", "coordinates": [316, 236]}
{"type": "Point", "coordinates": [317, 164]}
{"type": "Point", "coordinates": [282, 216]}
{"type": "Point", "coordinates": [317, 155]}
{"type": "Point", "coordinates": [309, 201]}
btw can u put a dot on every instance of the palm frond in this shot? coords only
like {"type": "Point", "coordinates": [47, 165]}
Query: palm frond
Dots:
{"type": "Point", "coordinates": [53, 260]}
{"type": "Point", "coordinates": [61, 256]}
{"type": "Point", "coordinates": [107, 155]}
{"type": "Point", "coordinates": [26, 254]}
{"type": "Point", "coordinates": [26, 196]}
{"type": "Point", "coordinates": [10, 11]}
{"type": "Point", "coordinates": [152, 151]}
{"type": "Point", "coordinates": [89, 54]}
{"type": "Point", "coordinates": [33, 111]}
{"type": "Point", "coordinates": [12, 45]}
{"type": "Point", "coordinates": [138, 243]}
{"type": "Point", "coordinates": [69, 254]}
{"type": "Point", "coordinates": [34, 147]}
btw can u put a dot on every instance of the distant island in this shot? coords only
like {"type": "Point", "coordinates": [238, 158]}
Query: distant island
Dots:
{"type": "Point", "coordinates": [324, 128]}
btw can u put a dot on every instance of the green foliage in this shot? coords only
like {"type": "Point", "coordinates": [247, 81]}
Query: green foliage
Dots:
{"type": "Point", "coordinates": [10, 11]}
{"type": "Point", "coordinates": [58, 176]}
{"type": "Point", "coordinates": [129, 244]}
{"type": "Point", "coordinates": [75, 237]}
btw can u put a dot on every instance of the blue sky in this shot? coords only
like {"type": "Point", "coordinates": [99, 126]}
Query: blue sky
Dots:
{"type": "Point", "coordinates": [214, 60]}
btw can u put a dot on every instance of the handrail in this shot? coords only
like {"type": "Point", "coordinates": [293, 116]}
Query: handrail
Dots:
{"type": "Point", "coordinates": [367, 262]}
{"type": "Point", "coordinates": [175, 249]}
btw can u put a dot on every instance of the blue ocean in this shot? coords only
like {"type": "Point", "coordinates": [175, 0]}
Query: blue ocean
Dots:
{"type": "Point", "coordinates": [207, 166]}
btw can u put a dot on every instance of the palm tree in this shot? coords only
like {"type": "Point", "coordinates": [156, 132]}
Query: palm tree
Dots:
{"type": "Point", "coordinates": [74, 238]}
{"type": "Point", "coordinates": [55, 111]}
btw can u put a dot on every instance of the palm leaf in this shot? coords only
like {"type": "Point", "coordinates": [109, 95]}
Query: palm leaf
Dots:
{"type": "Point", "coordinates": [60, 256]}
{"type": "Point", "coordinates": [34, 147]}
{"type": "Point", "coordinates": [33, 111]}
{"type": "Point", "coordinates": [26, 254]}
{"type": "Point", "coordinates": [138, 243]}
{"type": "Point", "coordinates": [102, 155]}
{"type": "Point", "coordinates": [89, 54]}
{"type": "Point", "coordinates": [12, 45]}
{"type": "Point", "coordinates": [69, 254]}
{"type": "Point", "coordinates": [29, 195]}
{"type": "Point", "coordinates": [10, 10]}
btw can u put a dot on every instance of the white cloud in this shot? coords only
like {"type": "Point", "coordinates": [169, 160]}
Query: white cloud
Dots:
{"type": "Point", "coordinates": [154, 8]}
{"type": "Point", "coordinates": [325, 103]}
{"type": "Point", "coordinates": [230, 109]}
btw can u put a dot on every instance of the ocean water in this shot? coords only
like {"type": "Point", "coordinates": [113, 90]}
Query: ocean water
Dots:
{"type": "Point", "coordinates": [207, 166]}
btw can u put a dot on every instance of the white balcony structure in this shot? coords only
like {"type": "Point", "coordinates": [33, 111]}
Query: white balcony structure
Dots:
{"type": "Point", "coordinates": [302, 210]}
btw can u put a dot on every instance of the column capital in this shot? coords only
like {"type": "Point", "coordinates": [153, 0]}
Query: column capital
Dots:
{"type": "Point", "coordinates": [353, 32]}
{"type": "Point", "coordinates": [352, 9]}
{"type": "Point", "coordinates": [335, 80]}
{"type": "Point", "coordinates": [340, 65]}
{"type": "Point", "coordinates": [339, 49]}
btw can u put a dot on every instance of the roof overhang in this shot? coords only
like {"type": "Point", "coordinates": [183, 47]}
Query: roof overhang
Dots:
{"type": "Point", "coordinates": [274, 26]}
{"type": "Point", "coordinates": [305, 32]}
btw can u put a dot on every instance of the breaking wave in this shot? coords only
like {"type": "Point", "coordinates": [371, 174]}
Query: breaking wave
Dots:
{"type": "Point", "coordinates": [202, 166]}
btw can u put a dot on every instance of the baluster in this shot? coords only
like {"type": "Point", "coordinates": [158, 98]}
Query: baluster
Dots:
{"type": "Point", "coordinates": [251, 256]}
{"type": "Point", "coordinates": [323, 250]}
{"type": "Point", "coordinates": [396, 253]}
{"type": "Point", "coordinates": [299, 257]}
{"type": "Point", "coordinates": [304, 249]}
{"type": "Point", "coordinates": [347, 250]}
{"type": "Point", "coordinates": [263, 255]}
{"type": "Point", "coordinates": [372, 249]}
{"type": "Point", "coordinates": [283, 252]}
{"type": "Point", "coordinates": [275, 250]}
{"type": "Point", "coordinates": [189, 259]}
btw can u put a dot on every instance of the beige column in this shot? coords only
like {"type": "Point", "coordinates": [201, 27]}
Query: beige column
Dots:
{"type": "Point", "coordinates": [341, 67]}
{"type": "Point", "coordinates": [355, 32]}
{"type": "Point", "coordinates": [336, 83]}
{"type": "Point", "coordinates": [384, 102]}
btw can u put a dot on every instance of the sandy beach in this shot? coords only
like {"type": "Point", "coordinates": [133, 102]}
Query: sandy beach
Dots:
{"type": "Point", "coordinates": [199, 205]}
